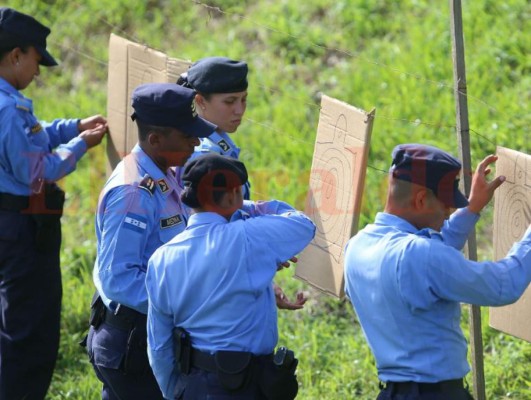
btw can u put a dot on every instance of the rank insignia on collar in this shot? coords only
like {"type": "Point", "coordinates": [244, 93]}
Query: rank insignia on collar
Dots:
{"type": "Point", "coordinates": [224, 145]}
{"type": "Point", "coordinates": [163, 185]}
{"type": "Point", "coordinates": [147, 184]}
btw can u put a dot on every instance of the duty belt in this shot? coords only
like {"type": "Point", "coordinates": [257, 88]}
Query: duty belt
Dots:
{"type": "Point", "coordinates": [440, 387]}
{"type": "Point", "coordinates": [12, 202]}
{"type": "Point", "coordinates": [124, 318]}
{"type": "Point", "coordinates": [207, 361]}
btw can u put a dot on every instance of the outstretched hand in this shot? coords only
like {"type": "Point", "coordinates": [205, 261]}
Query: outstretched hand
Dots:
{"type": "Point", "coordinates": [283, 303]}
{"type": "Point", "coordinates": [481, 190]}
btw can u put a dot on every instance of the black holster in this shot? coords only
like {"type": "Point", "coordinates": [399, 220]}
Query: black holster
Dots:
{"type": "Point", "coordinates": [46, 210]}
{"type": "Point", "coordinates": [97, 311]}
{"type": "Point", "coordinates": [278, 380]}
{"type": "Point", "coordinates": [233, 369]}
{"type": "Point", "coordinates": [182, 348]}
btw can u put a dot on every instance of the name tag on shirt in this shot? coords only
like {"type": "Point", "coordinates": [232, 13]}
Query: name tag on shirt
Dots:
{"type": "Point", "coordinates": [171, 221]}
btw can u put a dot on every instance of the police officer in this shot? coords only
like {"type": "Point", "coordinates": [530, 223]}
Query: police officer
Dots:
{"type": "Point", "coordinates": [406, 276]}
{"type": "Point", "coordinates": [139, 209]}
{"type": "Point", "coordinates": [221, 85]}
{"type": "Point", "coordinates": [214, 283]}
{"type": "Point", "coordinates": [30, 210]}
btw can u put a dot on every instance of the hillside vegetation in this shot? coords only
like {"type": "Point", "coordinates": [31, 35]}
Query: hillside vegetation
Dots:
{"type": "Point", "coordinates": [394, 56]}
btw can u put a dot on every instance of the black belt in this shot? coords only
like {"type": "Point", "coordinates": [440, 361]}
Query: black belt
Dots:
{"type": "Point", "coordinates": [49, 201]}
{"type": "Point", "coordinates": [124, 318]}
{"type": "Point", "coordinates": [12, 202]}
{"type": "Point", "coordinates": [207, 362]}
{"type": "Point", "coordinates": [422, 387]}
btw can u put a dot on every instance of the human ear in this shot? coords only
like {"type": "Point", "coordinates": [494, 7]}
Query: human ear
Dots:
{"type": "Point", "coordinates": [153, 139]}
{"type": "Point", "coordinates": [200, 101]}
{"type": "Point", "coordinates": [420, 199]}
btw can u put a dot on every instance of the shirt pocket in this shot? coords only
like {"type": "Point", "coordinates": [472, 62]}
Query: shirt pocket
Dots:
{"type": "Point", "coordinates": [170, 226]}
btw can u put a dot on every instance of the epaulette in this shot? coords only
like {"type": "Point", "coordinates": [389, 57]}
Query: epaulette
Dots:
{"type": "Point", "coordinates": [430, 233]}
{"type": "Point", "coordinates": [147, 183]}
{"type": "Point", "coordinates": [22, 103]}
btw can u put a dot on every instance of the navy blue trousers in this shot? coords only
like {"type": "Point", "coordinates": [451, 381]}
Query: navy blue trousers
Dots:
{"type": "Point", "coordinates": [124, 371]}
{"type": "Point", "coordinates": [30, 307]}
{"type": "Point", "coordinates": [204, 385]}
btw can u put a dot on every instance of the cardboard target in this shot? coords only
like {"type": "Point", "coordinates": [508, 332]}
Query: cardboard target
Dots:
{"type": "Point", "coordinates": [335, 189]}
{"type": "Point", "coordinates": [512, 216]}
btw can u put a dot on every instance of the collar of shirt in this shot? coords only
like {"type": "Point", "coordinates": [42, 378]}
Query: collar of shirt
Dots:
{"type": "Point", "coordinates": [6, 87]}
{"type": "Point", "coordinates": [395, 221]}
{"type": "Point", "coordinates": [208, 217]}
{"type": "Point", "coordinates": [166, 183]}
{"type": "Point", "coordinates": [217, 137]}
{"type": "Point", "coordinates": [205, 218]}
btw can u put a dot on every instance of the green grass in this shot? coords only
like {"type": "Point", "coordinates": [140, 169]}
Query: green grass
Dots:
{"type": "Point", "coordinates": [394, 56]}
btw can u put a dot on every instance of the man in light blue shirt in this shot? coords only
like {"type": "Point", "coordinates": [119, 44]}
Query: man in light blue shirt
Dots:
{"type": "Point", "coordinates": [406, 276]}
{"type": "Point", "coordinates": [214, 281]}
{"type": "Point", "coordinates": [139, 210]}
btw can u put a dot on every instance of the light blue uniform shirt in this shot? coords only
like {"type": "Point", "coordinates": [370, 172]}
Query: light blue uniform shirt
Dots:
{"type": "Point", "coordinates": [406, 287]}
{"type": "Point", "coordinates": [139, 210]}
{"type": "Point", "coordinates": [215, 281]}
{"type": "Point", "coordinates": [26, 157]}
{"type": "Point", "coordinates": [221, 143]}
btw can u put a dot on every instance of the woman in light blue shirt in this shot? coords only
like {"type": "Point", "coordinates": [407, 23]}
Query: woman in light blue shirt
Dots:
{"type": "Point", "coordinates": [214, 280]}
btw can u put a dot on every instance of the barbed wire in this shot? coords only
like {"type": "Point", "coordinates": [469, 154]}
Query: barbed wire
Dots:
{"type": "Point", "coordinates": [269, 127]}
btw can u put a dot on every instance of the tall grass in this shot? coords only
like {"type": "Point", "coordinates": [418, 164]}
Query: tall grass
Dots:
{"type": "Point", "coordinates": [394, 56]}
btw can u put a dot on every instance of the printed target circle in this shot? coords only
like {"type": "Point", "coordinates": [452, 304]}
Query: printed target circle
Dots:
{"type": "Point", "coordinates": [333, 203]}
{"type": "Point", "coordinates": [513, 217]}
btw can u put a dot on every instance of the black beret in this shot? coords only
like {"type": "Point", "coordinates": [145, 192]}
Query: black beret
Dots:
{"type": "Point", "coordinates": [168, 104]}
{"type": "Point", "coordinates": [217, 75]}
{"type": "Point", "coordinates": [430, 167]}
{"type": "Point", "coordinates": [26, 30]}
{"type": "Point", "coordinates": [208, 173]}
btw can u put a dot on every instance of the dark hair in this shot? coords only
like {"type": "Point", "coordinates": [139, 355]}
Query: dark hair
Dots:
{"type": "Point", "coordinates": [9, 41]}
{"type": "Point", "coordinates": [145, 129]}
{"type": "Point", "coordinates": [190, 197]}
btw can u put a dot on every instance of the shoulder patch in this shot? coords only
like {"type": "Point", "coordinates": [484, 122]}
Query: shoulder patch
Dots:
{"type": "Point", "coordinates": [224, 145]}
{"type": "Point", "coordinates": [135, 222]}
{"type": "Point", "coordinates": [147, 183]}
